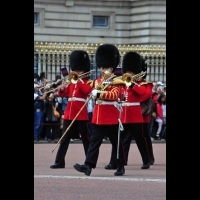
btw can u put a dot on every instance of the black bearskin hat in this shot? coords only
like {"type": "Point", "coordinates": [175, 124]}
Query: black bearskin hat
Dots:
{"type": "Point", "coordinates": [133, 62]}
{"type": "Point", "coordinates": [79, 60]}
{"type": "Point", "coordinates": [107, 55]}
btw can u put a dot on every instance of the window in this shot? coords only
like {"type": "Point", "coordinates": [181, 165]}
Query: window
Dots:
{"type": "Point", "coordinates": [101, 21]}
{"type": "Point", "coordinates": [36, 18]}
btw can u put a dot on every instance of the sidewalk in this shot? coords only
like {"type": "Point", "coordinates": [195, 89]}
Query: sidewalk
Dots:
{"type": "Point", "coordinates": [79, 141]}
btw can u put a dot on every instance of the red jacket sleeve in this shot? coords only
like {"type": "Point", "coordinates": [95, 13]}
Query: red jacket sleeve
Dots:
{"type": "Point", "coordinates": [63, 93]}
{"type": "Point", "coordinates": [148, 92]}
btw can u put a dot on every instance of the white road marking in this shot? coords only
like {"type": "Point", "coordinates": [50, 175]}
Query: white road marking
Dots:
{"type": "Point", "coordinates": [102, 178]}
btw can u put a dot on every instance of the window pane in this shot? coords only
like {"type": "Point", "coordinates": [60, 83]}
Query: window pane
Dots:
{"type": "Point", "coordinates": [100, 21]}
{"type": "Point", "coordinates": [36, 18]}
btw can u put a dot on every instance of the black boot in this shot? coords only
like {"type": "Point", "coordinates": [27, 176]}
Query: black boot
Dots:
{"type": "Point", "coordinates": [83, 168]}
{"type": "Point", "coordinates": [57, 165]}
{"type": "Point", "coordinates": [110, 166]}
{"type": "Point", "coordinates": [120, 171]}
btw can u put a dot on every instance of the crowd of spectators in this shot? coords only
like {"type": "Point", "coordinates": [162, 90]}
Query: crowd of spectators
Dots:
{"type": "Point", "coordinates": [50, 128]}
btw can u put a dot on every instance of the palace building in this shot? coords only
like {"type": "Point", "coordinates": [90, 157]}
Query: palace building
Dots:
{"type": "Point", "coordinates": [61, 26]}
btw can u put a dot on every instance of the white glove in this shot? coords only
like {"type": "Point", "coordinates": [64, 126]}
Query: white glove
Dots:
{"type": "Point", "coordinates": [94, 92]}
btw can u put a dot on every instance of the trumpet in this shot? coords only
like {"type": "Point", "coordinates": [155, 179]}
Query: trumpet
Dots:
{"type": "Point", "coordinates": [129, 79]}
{"type": "Point", "coordinates": [74, 77]}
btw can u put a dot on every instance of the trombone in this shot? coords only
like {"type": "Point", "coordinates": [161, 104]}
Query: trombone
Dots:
{"type": "Point", "coordinates": [73, 77]}
{"type": "Point", "coordinates": [129, 79]}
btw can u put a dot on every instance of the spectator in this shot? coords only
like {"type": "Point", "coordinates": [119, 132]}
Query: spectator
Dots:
{"type": "Point", "coordinates": [53, 123]}
{"type": "Point", "coordinates": [157, 90]}
{"type": "Point", "coordinates": [39, 108]}
{"type": "Point", "coordinates": [161, 113]}
{"type": "Point", "coordinates": [164, 89]}
{"type": "Point", "coordinates": [41, 77]}
{"type": "Point", "coordinates": [36, 78]}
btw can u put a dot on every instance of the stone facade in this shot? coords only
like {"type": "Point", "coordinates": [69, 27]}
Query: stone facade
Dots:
{"type": "Point", "coordinates": [65, 25]}
{"type": "Point", "coordinates": [131, 22]}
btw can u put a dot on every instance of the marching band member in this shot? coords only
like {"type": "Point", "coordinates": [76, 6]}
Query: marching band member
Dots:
{"type": "Point", "coordinates": [77, 93]}
{"type": "Point", "coordinates": [148, 85]}
{"type": "Point", "coordinates": [133, 121]}
{"type": "Point", "coordinates": [105, 114]}
{"type": "Point", "coordinates": [147, 118]}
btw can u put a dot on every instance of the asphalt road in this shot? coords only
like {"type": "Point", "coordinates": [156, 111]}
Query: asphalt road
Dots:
{"type": "Point", "coordinates": [69, 184]}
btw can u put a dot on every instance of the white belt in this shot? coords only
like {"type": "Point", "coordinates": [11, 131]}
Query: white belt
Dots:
{"type": "Point", "coordinates": [130, 103]}
{"type": "Point", "coordinates": [76, 99]}
{"type": "Point", "coordinates": [101, 102]}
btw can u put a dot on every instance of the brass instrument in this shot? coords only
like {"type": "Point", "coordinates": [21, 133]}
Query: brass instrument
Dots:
{"type": "Point", "coordinates": [107, 78]}
{"type": "Point", "coordinates": [129, 79]}
{"type": "Point", "coordinates": [48, 85]}
{"type": "Point", "coordinates": [74, 77]}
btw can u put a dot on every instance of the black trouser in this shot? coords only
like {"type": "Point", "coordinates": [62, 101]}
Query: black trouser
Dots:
{"type": "Point", "coordinates": [163, 132]}
{"type": "Point", "coordinates": [98, 133]}
{"type": "Point", "coordinates": [148, 139]}
{"type": "Point", "coordinates": [140, 134]}
{"type": "Point", "coordinates": [81, 126]}
{"type": "Point", "coordinates": [126, 138]}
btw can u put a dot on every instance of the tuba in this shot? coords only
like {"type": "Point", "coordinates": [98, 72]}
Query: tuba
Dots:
{"type": "Point", "coordinates": [129, 79]}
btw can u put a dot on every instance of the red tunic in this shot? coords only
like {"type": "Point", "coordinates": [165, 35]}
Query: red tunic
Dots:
{"type": "Point", "coordinates": [104, 114]}
{"type": "Point", "coordinates": [79, 90]}
{"type": "Point", "coordinates": [137, 94]}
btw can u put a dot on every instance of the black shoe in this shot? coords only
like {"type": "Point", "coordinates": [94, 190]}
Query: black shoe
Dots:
{"type": "Point", "coordinates": [57, 165]}
{"type": "Point", "coordinates": [120, 171]}
{"type": "Point", "coordinates": [110, 166]}
{"type": "Point", "coordinates": [152, 160]}
{"type": "Point", "coordinates": [145, 166]}
{"type": "Point", "coordinates": [157, 137]}
{"type": "Point", "coordinates": [83, 168]}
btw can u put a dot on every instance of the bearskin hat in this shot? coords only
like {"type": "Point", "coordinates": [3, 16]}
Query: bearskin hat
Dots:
{"type": "Point", "coordinates": [133, 62]}
{"type": "Point", "coordinates": [107, 55]}
{"type": "Point", "coordinates": [79, 60]}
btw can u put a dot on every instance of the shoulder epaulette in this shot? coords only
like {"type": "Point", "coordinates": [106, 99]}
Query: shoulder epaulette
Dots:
{"type": "Point", "coordinates": [145, 82]}
{"type": "Point", "coordinates": [90, 82]}
{"type": "Point", "coordinates": [117, 81]}
{"type": "Point", "coordinates": [118, 77]}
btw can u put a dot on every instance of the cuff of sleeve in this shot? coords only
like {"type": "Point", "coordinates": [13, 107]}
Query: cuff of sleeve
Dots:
{"type": "Point", "coordinates": [98, 94]}
{"type": "Point", "coordinates": [132, 85]}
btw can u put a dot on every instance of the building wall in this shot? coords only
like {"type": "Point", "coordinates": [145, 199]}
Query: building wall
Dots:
{"type": "Point", "coordinates": [66, 25]}
{"type": "Point", "coordinates": [131, 22]}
